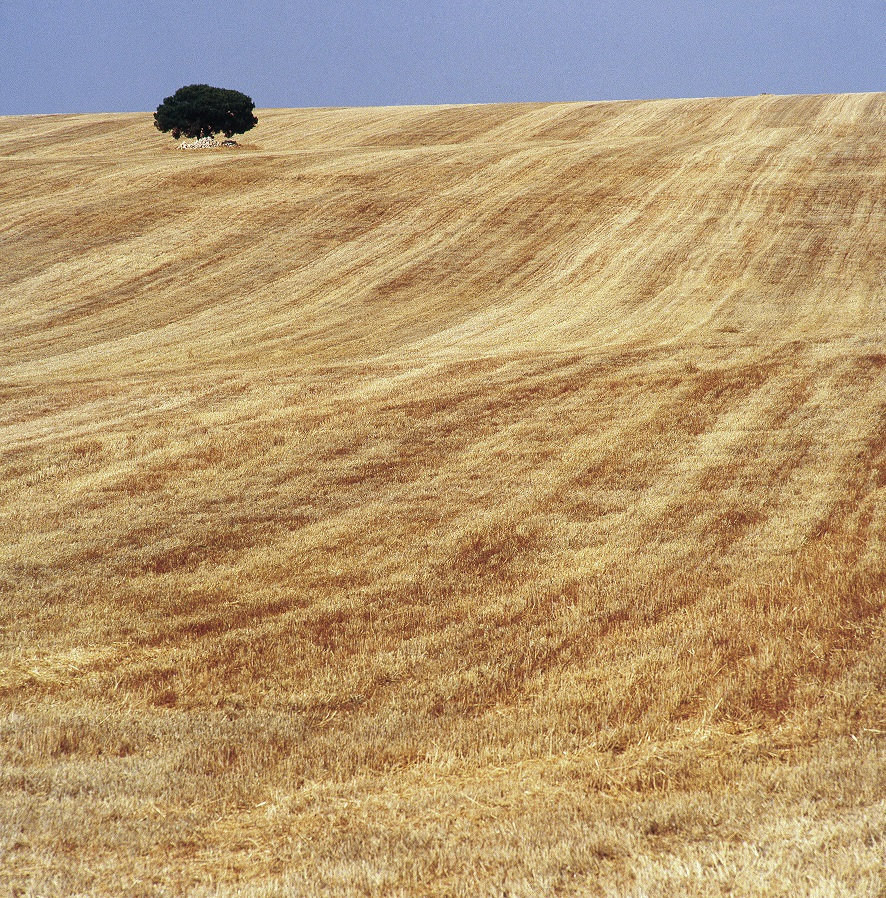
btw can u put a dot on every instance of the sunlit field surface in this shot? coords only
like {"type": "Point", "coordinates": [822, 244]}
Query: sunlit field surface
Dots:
{"type": "Point", "coordinates": [464, 501]}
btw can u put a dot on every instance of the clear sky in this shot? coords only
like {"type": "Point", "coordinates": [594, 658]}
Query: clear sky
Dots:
{"type": "Point", "coordinates": [105, 56]}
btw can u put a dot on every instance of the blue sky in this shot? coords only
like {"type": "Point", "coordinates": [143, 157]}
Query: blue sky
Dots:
{"type": "Point", "coordinates": [102, 56]}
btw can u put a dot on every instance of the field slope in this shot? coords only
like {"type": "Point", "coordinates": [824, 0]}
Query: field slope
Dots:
{"type": "Point", "coordinates": [446, 501]}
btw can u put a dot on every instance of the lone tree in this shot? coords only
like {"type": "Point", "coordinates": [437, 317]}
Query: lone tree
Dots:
{"type": "Point", "coordinates": [199, 110]}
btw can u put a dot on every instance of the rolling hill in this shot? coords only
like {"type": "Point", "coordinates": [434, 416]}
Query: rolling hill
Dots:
{"type": "Point", "coordinates": [470, 500]}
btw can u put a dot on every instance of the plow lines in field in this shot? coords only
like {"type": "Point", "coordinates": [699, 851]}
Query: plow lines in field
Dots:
{"type": "Point", "coordinates": [446, 500]}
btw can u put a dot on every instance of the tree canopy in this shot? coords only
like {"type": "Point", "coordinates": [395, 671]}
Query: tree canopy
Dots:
{"type": "Point", "coordinates": [199, 110]}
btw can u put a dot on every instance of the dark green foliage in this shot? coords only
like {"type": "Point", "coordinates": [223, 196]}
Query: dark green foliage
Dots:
{"type": "Point", "coordinates": [199, 110]}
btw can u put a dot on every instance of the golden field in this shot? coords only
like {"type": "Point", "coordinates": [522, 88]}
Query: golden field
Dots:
{"type": "Point", "coordinates": [464, 501]}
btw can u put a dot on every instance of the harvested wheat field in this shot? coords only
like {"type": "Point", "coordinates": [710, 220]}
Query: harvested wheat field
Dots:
{"type": "Point", "coordinates": [464, 501]}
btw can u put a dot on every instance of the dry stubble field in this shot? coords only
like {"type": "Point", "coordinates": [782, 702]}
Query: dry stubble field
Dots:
{"type": "Point", "coordinates": [446, 501]}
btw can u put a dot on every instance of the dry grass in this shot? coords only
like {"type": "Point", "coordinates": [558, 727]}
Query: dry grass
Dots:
{"type": "Point", "coordinates": [446, 501]}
